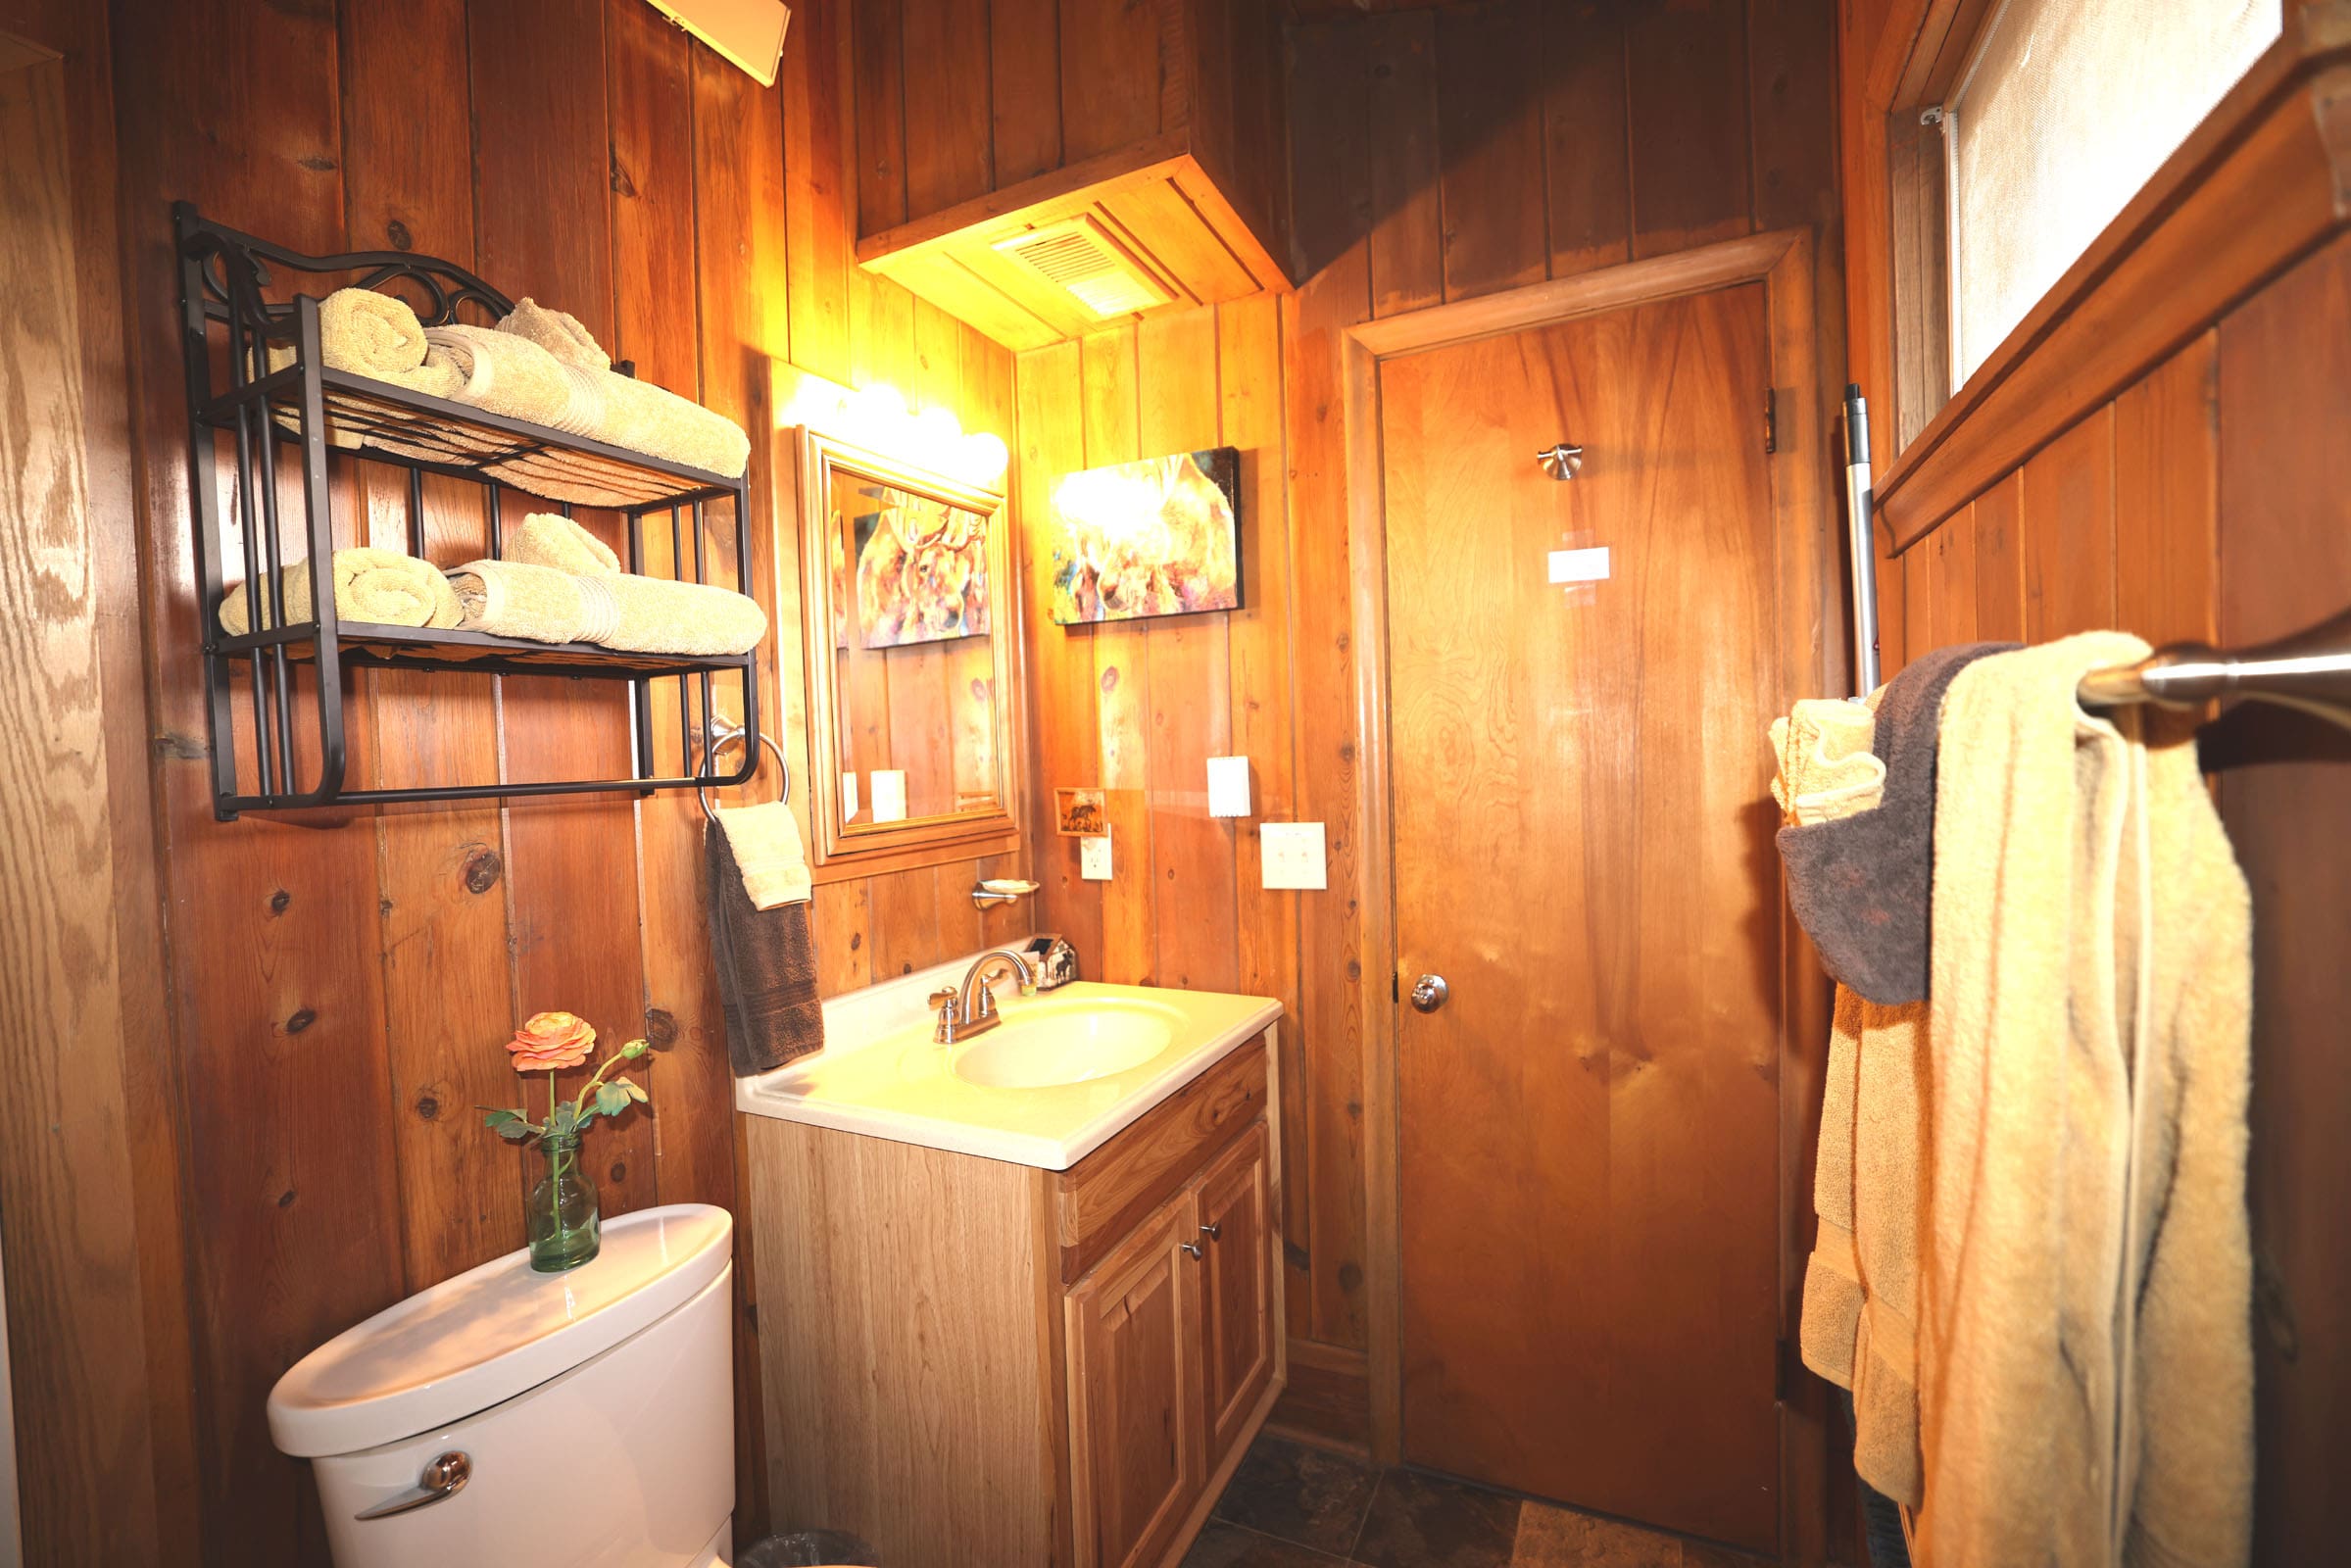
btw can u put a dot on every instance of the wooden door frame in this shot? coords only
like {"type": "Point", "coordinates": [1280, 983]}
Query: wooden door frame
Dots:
{"type": "Point", "coordinates": [1813, 654]}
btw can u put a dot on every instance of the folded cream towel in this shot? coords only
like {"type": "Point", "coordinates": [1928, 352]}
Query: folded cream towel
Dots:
{"type": "Point", "coordinates": [376, 587]}
{"type": "Point", "coordinates": [511, 375]}
{"type": "Point", "coordinates": [654, 420]}
{"type": "Point", "coordinates": [1827, 767]}
{"type": "Point", "coordinates": [559, 333]}
{"type": "Point", "coordinates": [551, 539]}
{"type": "Point", "coordinates": [769, 854]}
{"type": "Point", "coordinates": [658, 617]}
{"type": "Point", "coordinates": [508, 599]}
{"type": "Point", "coordinates": [2085, 1281]}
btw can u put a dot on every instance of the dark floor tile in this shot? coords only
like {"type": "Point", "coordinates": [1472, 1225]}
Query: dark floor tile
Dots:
{"type": "Point", "coordinates": [1223, 1546]}
{"type": "Point", "coordinates": [1420, 1521]}
{"type": "Point", "coordinates": [1562, 1538]}
{"type": "Point", "coordinates": [1299, 1493]}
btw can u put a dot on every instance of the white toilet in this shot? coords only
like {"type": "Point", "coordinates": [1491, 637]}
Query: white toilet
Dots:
{"type": "Point", "coordinates": [510, 1418]}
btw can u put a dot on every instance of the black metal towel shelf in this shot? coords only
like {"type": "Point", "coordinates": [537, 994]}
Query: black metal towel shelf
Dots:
{"type": "Point", "coordinates": [243, 408]}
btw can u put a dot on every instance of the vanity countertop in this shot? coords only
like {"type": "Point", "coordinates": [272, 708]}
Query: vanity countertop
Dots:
{"type": "Point", "coordinates": [883, 1075]}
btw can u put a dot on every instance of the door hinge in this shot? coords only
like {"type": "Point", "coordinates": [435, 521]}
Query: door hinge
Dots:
{"type": "Point", "coordinates": [1771, 421]}
{"type": "Point", "coordinates": [1395, 989]}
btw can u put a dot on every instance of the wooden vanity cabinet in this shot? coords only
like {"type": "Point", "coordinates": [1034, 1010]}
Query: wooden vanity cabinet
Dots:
{"type": "Point", "coordinates": [967, 1362]}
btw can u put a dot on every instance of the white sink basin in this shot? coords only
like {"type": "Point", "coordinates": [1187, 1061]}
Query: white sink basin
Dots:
{"type": "Point", "coordinates": [1052, 1042]}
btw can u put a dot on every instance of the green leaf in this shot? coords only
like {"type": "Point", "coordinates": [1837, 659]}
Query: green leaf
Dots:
{"type": "Point", "coordinates": [515, 1131]}
{"type": "Point", "coordinates": [629, 1086]}
{"type": "Point", "coordinates": [566, 1117]}
{"type": "Point", "coordinates": [611, 1100]}
{"type": "Point", "coordinates": [497, 1118]}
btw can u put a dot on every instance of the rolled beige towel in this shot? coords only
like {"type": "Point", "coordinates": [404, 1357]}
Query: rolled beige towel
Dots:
{"type": "Point", "coordinates": [510, 599]}
{"type": "Point", "coordinates": [551, 539]}
{"type": "Point", "coordinates": [657, 616]}
{"type": "Point", "coordinates": [502, 374]}
{"type": "Point", "coordinates": [376, 587]}
{"type": "Point", "coordinates": [559, 333]}
{"type": "Point", "coordinates": [644, 418]}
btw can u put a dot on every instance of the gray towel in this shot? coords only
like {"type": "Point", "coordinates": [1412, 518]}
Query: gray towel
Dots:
{"type": "Point", "coordinates": [766, 969]}
{"type": "Point", "coordinates": [1862, 885]}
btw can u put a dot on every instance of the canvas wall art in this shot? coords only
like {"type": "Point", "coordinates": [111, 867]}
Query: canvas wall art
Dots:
{"type": "Point", "coordinates": [1159, 537]}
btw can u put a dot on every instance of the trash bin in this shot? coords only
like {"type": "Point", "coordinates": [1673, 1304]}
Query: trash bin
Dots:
{"type": "Point", "coordinates": [801, 1548]}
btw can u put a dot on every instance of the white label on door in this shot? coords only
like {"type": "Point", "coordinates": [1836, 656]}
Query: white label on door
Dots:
{"type": "Point", "coordinates": [1580, 565]}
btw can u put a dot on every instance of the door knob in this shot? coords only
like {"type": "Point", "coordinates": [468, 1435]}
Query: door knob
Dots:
{"type": "Point", "coordinates": [1194, 1247]}
{"type": "Point", "coordinates": [1429, 992]}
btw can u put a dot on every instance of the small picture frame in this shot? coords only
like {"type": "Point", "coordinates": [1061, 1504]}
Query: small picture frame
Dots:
{"type": "Point", "coordinates": [1080, 814]}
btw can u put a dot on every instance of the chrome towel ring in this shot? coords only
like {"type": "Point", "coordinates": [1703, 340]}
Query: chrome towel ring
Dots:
{"type": "Point", "coordinates": [724, 735]}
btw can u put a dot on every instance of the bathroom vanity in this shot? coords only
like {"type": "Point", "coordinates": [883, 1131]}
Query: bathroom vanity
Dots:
{"type": "Point", "coordinates": [1018, 1298]}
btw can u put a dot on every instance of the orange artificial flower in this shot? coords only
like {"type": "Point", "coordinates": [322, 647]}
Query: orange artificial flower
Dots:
{"type": "Point", "coordinates": [552, 1040]}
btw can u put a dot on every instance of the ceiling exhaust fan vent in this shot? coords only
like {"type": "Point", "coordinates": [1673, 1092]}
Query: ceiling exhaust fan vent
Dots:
{"type": "Point", "coordinates": [1078, 256]}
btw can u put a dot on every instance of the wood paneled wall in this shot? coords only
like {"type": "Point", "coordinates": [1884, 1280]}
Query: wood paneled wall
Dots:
{"type": "Point", "coordinates": [1436, 155]}
{"type": "Point", "coordinates": [2203, 501]}
{"type": "Point", "coordinates": [304, 1148]}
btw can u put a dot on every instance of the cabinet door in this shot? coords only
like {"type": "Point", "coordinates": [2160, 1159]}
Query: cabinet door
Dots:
{"type": "Point", "coordinates": [1237, 1288]}
{"type": "Point", "coordinates": [1136, 1450]}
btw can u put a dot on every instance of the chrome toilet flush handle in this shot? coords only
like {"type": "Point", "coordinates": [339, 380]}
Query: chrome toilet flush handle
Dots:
{"type": "Point", "coordinates": [443, 1479]}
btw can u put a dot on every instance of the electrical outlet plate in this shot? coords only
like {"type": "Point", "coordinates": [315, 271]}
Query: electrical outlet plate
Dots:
{"type": "Point", "coordinates": [1094, 859]}
{"type": "Point", "coordinates": [1228, 786]}
{"type": "Point", "coordinates": [1291, 855]}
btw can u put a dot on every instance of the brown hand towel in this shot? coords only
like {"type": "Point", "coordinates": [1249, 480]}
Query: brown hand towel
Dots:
{"type": "Point", "coordinates": [1861, 885]}
{"type": "Point", "coordinates": [766, 966]}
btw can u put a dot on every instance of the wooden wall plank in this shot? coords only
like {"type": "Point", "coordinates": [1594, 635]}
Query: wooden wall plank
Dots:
{"type": "Point", "coordinates": [2066, 511]}
{"type": "Point", "coordinates": [1686, 91]}
{"type": "Point", "coordinates": [1115, 72]}
{"type": "Point", "coordinates": [2285, 561]}
{"type": "Point", "coordinates": [1952, 580]}
{"type": "Point", "coordinates": [1490, 119]}
{"type": "Point", "coordinates": [1791, 99]}
{"type": "Point", "coordinates": [1586, 165]}
{"type": "Point", "coordinates": [2000, 561]}
{"type": "Point", "coordinates": [1190, 867]}
{"type": "Point", "coordinates": [819, 216]}
{"type": "Point", "coordinates": [1025, 54]}
{"type": "Point", "coordinates": [1407, 220]}
{"type": "Point", "coordinates": [2166, 498]}
{"type": "Point", "coordinates": [948, 116]}
{"type": "Point", "coordinates": [1122, 684]}
{"type": "Point", "coordinates": [879, 100]}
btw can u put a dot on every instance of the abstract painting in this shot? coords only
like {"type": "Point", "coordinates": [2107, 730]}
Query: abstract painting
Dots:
{"type": "Point", "coordinates": [1159, 537]}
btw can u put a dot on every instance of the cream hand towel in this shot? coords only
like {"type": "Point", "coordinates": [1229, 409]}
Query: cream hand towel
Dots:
{"type": "Point", "coordinates": [658, 617]}
{"type": "Point", "coordinates": [559, 333]}
{"type": "Point", "coordinates": [376, 587]}
{"type": "Point", "coordinates": [768, 853]}
{"type": "Point", "coordinates": [654, 420]}
{"type": "Point", "coordinates": [511, 375]}
{"type": "Point", "coordinates": [507, 598]}
{"type": "Point", "coordinates": [551, 539]}
{"type": "Point", "coordinates": [1827, 769]}
{"type": "Point", "coordinates": [2083, 1338]}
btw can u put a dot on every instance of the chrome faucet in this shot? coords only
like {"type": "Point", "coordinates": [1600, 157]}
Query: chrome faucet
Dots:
{"type": "Point", "coordinates": [970, 1010]}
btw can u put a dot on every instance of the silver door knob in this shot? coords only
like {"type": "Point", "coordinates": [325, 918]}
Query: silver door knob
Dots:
{"type": "Point", "coordinates": [1194, 1247]}
{"type": "Point", "coordinates": [1429, 992]}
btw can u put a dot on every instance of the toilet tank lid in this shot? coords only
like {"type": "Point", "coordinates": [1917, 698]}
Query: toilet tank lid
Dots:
{"type": "Point", "coordinates": [492, 1333]}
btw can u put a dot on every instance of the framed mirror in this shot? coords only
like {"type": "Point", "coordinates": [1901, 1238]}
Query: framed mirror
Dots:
{"type": "Point", "coordinates": [913, 625]}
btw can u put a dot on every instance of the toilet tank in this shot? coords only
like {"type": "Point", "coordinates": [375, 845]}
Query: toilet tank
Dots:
{"type": "Point", "coordinates": [595, 1410]}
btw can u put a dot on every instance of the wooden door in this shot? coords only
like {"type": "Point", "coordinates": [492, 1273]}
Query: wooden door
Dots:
{"type": "Point", "coordinates": [1135, 1408]}
{"type": "Point", "coordinates": [1235, 1287]}
{"type": "Point", "coordinates": [1583, 852]}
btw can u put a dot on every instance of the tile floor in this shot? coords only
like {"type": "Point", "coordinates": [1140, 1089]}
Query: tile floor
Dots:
{"type": "Point", "coordinates": [1294, 1507]}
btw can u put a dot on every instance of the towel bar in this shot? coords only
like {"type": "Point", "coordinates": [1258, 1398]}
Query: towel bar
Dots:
{"type": "Point", "coordinates": [724, 735]}
{"type": "Point", "coordinates": [2310, 669]}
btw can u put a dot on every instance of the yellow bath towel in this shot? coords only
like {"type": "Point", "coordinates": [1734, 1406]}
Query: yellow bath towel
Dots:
{"type": "Point", "coordinates": [1826, 768]}
{"type": "Point", "coordinates": [377, 587]}
{"type": "Point", "coordinates": [654, 616]}
{"type": "Point", "coordinates": [502, 373]}
{"type": "Point", "coordinates": [551, 539]}
{"type": "Point", "coordinates": [654, 420]}
{"type": "Point", "coordinates": [2084, 1378]}
{"type": "Point", "coordinates": [769, 853]}
{"type": "Point", "coordinates": [507, 598]}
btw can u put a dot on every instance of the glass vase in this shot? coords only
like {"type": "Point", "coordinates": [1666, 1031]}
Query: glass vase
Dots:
{"type": "Point", "coordinates": [561, 1211]}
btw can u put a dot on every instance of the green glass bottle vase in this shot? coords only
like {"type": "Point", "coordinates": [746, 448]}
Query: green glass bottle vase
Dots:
{"type": "Point", "coordinates": [561, 1211]}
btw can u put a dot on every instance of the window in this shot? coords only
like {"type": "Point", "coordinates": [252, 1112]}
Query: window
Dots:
{"type": "Point", "coordinates": [2026, 128]}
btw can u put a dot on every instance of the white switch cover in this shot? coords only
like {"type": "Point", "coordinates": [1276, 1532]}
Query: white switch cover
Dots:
{"type": "Point", "coordinates": [1291, 855]}
{"type": "Point", "coordinates": [1228, 786]}
{"type": "Point", "coordinates": [1094, 859]}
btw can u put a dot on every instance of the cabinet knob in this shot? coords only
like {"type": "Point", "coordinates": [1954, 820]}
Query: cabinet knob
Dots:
{"type": "Point", "coordinates": [1194, 1247]}
{"type": "Point", "coordinates": [1213, 1232]}
{"type": "Point", "coordinates": [1429, 992]}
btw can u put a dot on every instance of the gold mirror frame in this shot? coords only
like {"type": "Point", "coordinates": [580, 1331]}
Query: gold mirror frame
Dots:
{"type": "Point", "coordinates": [917, 840]}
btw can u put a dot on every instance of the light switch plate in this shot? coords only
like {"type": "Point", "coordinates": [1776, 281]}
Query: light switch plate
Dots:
{"type": "Point", "coordinates": [1291, 855]}
{"type": "Point", "coordinates": [1094, 859]}
{"type": "Point", "coordinates": [1228, 786]}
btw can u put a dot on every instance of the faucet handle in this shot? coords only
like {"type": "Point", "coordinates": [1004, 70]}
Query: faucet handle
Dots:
{"type": "Point", "coordinates": [947, 1001]}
